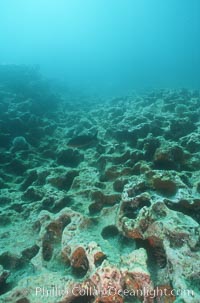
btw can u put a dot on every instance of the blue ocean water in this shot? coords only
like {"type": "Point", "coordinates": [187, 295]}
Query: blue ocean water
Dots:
{"type": "Point", "coordinates": [105, 45]}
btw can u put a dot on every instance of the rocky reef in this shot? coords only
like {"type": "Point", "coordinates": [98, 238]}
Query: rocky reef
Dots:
{"type": "Point", "coordinates": [100, 198]}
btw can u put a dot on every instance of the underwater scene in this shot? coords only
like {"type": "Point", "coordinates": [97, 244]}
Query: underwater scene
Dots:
{"type": "Point", "coordinates": [99, 151]}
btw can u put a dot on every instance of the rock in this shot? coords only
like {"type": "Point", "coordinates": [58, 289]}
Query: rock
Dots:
{"type": "Point", "coordinates": [171, 157]}
{"type": "Point", "coordinates": [165, 185]}
{"type": "Point", "coordinates": [17, 167]}
{"type": "Point", "coordinates": [172, 241]}
{"type": "Point", "coordinates": [31, 177]}
{"type": "Point", "coordinates": [135, 275]}
{"type": "Point", "coordinates": [103, 199]}
{"type": "Point", "coordinates": [150, 144]}
{"type": "Point", "coordinates": [69, 157]}
{"type": "Point", "coordinates": [118, 185]}
{"type": "Point", "coordinates": [3, 277]}
{"type": "Point", "coordinates": [65, 181]}
{"type": "Point", "coordinates": [32, 194]}
{"type": "Point", "coordinates": [79, 259]}
{"type": "Point", "coordinates": [51, 229]}
{"type": "Point", "coordinates": [19, 143]}
{"type": "Point", "coordinates": [191, 142]}
{"type": "Point", "coordinates": [180, 128]}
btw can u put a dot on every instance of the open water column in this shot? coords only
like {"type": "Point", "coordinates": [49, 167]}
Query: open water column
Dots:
{"type": "Point", "coordinates": [99, 151]}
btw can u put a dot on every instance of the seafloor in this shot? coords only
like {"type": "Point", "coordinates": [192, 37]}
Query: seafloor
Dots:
{"type": "Point", "coordinates": [109, 216]}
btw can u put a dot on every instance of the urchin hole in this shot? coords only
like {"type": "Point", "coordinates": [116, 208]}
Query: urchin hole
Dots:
{"type": "Point", "coordinates": [109, 232]}
{"type": "Point", "coordinates": [83, 299]}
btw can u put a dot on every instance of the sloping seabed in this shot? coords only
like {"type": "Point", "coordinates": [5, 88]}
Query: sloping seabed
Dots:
{"type": "Point", "coordinates": [110, 220]}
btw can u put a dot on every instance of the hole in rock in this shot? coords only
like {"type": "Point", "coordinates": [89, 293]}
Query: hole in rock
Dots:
{"type": "Point", "coordinates": [47, 246]}
{"type": "Point", "coordinates": [79, 273]}
{"type": "Point", "coordinates": [131, 211]}
{"type": "Point", "coordinates": [100, 261]}
{"type": "Point", "coordinates": [186, 180]}
{"type": "Point", "coordinates": [192, 210]}
{"type": "Point", "coordinates": [110, 232]}
{"type": "Point", "coordinates": [9, 261]}
{"type": "Point", "coordinates": [165, 165]}
{"type": "Point", "coordinates": [5, 287]}
{"type": "Point", "coordinates": [126, 245]}
{"type": "Point", "coordinates": [95, 208]}
{"type": "Point", "coordinates": [23, 300]}
{"type": "Point", "coordinates": [83, 299]}
{"type": "Point", "coordinates": [62, 203]}
{"type": "Point", "coordinates": [156, 256]}
{"type": "Point", "coordinates": [17, 207]}
{"type": "Point", "coordinates": [30, 252]}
